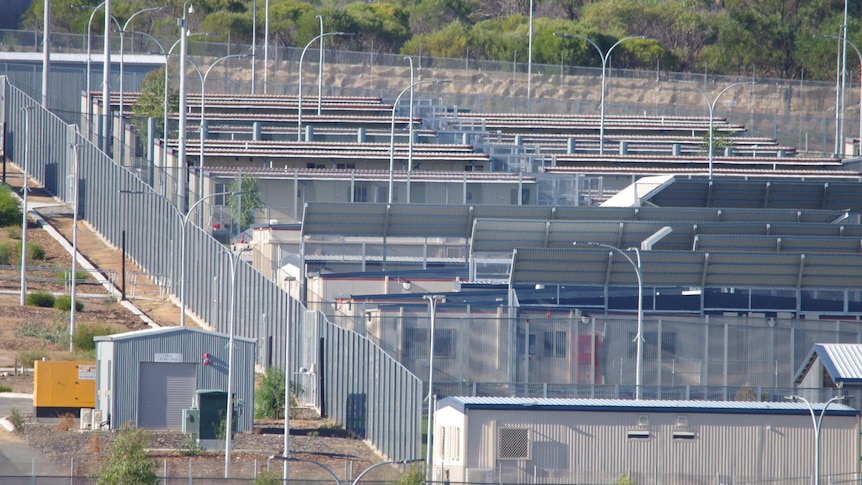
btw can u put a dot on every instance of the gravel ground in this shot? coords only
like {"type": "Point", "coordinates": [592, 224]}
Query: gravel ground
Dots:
{"type": "Point", "coordinates": [84, 452]}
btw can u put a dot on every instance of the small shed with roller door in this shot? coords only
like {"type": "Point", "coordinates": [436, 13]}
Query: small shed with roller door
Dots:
{"type": "Point", "coordinates": [148, 377]}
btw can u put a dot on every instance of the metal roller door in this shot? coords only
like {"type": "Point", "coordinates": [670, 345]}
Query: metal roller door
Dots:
{"type": "Point", "coordinates": [164, 390]}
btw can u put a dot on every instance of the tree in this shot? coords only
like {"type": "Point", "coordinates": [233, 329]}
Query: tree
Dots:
{"type": "Point", "coordinates": [269, 396]}
{"type": "Point", "coordinates": [243, 206]}
{"type": "Point", "coordinates": [128, 462]}
{"type": "Point", "coordinates": [150, 103]}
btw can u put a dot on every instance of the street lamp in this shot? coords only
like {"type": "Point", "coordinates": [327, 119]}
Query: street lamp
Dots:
{"type": "Point", "coordinates": [322, 59]}
{"type": "Point", "coordinates": [858, 53]}
{"type": "Point", "coordinates": [299, 96]}
{"type": "Point", "coordinates": [392, 130]}
{"type": "Point", "coordinates": [203, 121]}
{"type": "Point", "coordinates": [711, 106]}
{"type": "Point", "coordinates": [25, 190]}
{"type": "Point", "coordinates": [75, 181]}
{"type": "Point", "coordinates": [432, 309]}
{"type": "Point", "coordinates": [640, 318]}
{"type": "Point", "coordinates": [410, 131]}
{"type": "Point", "coordinates": [106, 83]}
{"type": "Point", "coordinates": [604, 58]}
{"type": "Point", "coordinates": [265, 44]}
{"type": "Point", "coordinates": [286, 470]}
{"type": "Point", "coordinates": [122, 75]}
{"type": "Point", "coordinates": [181, 179]}
{"type": "Point", "coordinates": [816, 421]}
{"type": "Point", "coordinates": [228, 435]}
{"type": "Point", "coordinates": [183, 219]}
{"type": "Point", "coordinates": [89, 84]}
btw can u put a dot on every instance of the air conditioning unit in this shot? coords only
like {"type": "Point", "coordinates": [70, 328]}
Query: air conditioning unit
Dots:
{"type": "Point", "coordinates": [192, 421]}
{"type": "Point", "coordinates": [86, 419]}
{"type": "Point", "coordinates": [479, 475]}
{"type": "Point", "coordinates": [97, 419]}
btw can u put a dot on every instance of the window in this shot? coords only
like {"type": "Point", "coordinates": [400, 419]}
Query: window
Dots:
{"type": "Point", "coordinates": [219, 199]}
{"type": "Point", "coordinates": [555, 345]}
{"type": "Point", "coordinates": [360, 194]}
{"type": "Point", "coordinates": [456, 444]}
{"type": "Point", "coordinates": [532, 343]}
{"type": "Point", "coordinates": [514, 443]}
{"type": "Point", "coordinates": [415, 343]}
{"type": "Point", "coordinates": [345, 166]}
{"type": "Point", "coordinates": [442, 442]}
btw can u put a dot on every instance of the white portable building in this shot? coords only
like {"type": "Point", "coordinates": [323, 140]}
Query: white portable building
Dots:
{"type": "Point", "coordinates": [525, 440]}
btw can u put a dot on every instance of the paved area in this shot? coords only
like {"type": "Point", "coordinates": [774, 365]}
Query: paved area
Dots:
{"type": "Point", "coordinates": [17, 458]}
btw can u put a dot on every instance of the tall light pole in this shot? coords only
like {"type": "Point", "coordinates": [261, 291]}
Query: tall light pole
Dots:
{"type": "Point", "coordinates": [228, 435]}
{"type": "Point", "coordinates": [640, 318]}
{"type": "Point", "coordinates": [432, 309]}
{"type": "Point", "coordinates": [46, 51]}
{"type": "Point", "coordinates": [299, 81]}
{"type": "Point", "coordinates": [183, 220]}
{"type": "Point", "coordinates": [25, 189]}
{"type": "Point", "coordinates": [75, 182]}
{"type": "Point", "coordinates": [603, 56]}
{"type": "Point", "coordinates": [265, 44]}
{"type": "Point", "coordinates": [106, 83]}
{"type": "Point", "coordinates": [858, 53]}
{"type": "Point", "coordinates": [181, 179]}
{"type": "Point", "coordinates": [530, 60]}
{"type": "Point", "coordinates": [392, 132]}
{"type": "Point", "coordinates": [202, 125]}
{"type": "Point", "coordinates": [89, 60]}
{"type": "Point", "coordinates": [287, 342]}
{"type": "Point", "coordinates": [122, 63]}
{"type": "Point", "coordinates": [816, 422]}
{"type": "Point", "coordinates": [711, 105]}
{"type": "Point", "coordinates": [320, 66]}
{"type": "Point", "coordinates": [410, 131]}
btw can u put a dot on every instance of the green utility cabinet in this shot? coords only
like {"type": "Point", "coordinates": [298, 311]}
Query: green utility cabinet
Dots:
{"type": "Point", "coordinates": [211, 408]}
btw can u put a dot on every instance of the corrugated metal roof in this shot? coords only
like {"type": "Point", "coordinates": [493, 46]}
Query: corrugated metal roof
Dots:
{"type": "Point", "coordinates": [622, 405]}
{"type": "Point", "coordinates": [843, 362]}
{"type": "Point", "coordinates": [152, 332]}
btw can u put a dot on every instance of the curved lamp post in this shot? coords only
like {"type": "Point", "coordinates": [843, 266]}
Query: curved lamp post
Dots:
{"type": "Point", "coordinates": [432, 309]}
{"type": "Point", "coordinates": [816, 422]}
{"type": "Point", "coordinates": [604, 56]}
{"type": "Point", "coordinates": [320, 67]}
{"type": "Point", "coordinates": [711, 105]}
{"type": "Point", "coordinates": [184, 220]}
{"type": "Point", "coordinates": [25, 189]}
{"type": "Point", "coordinates": [410, 131]}
{"type": "Point", "coordinates": [234, 261]}
{"type": "Point", "coordinates": [122, 50]}
{"type": "Point", "coordinates": [299, 81]}
{"type": "Point", "coordinates": [181, 179]}
{"type": "Point", "coordinates": [858, 53]}
{"type": "Point", "coordinates": [640, 318]}
{"type": "Point", "coordinates": [89, 60]}
{"type": "Point", "coordinates": [392, 130]}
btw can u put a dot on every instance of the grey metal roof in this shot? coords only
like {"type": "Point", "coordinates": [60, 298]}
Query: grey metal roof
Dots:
{"type": "Point", "coordinates": [598, 266]}
{"type": "Point", "coordinates": [622, 405]}
{"type": "Point", "coordinates": [843, 362]}
{"type": "Point", "coordinates": [156, 332]}
{"type": "Point", "coordinates": [837, 195]}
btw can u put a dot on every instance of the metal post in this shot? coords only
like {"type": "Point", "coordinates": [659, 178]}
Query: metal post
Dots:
{"type": "Point", "coordinates": [106, 83]}
{"type": "Point", "coordinates": [816, 422]}
{"type": "Point", "coordinates": [181, 176]}
{"type": "Point", "coordinates": [432, 308]}
{"type": "Point", "coordinates": [410, 131]}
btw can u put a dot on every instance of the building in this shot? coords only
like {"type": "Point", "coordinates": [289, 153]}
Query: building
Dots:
{"type": "Point", "coordinates": [525, 440]}
{"type": "Point", "coordinates": [148, 377]}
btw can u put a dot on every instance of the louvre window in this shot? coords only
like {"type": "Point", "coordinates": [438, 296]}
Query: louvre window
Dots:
{"type": "Point", "coordinates": [514, 443]}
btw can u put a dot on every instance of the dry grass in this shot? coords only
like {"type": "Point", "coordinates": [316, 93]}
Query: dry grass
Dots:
{"type": "Point", "coordinates": [66, 422]}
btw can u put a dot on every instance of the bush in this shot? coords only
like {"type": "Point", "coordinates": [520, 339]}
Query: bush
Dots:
{"type": "Point", "coordinates": [413, 476]}
{"type": "Point", "coordinates": [269, 397]}
{"type": "Point", "coordinates": [625, 480]}
{"type": "Point", "coordinates": [28, 357]}
{"type": "Point", "coordinates": [41, 299]}
{"type": "Point", "coordinates": [86, 332]}
{"type": "Point", "coordinates": [65, 303]}
{"type": "Point", "coordinates": [54, 332]}
{"type": "Point", "coordinates": [5, 389]}
{"type": "Point", "coordinates": [266, 477]}
{"type": "Point", "coordinates": [16, 420]}
{"type": "Point", "coordinates": [13, 232]}
{"type": "Point", "coordinates": [35, 252]}
{"type": "Point", "coordinates": [7, 254]}
{"type": "Point", "coordinates": [10, 213]}
{"type": "Point", "coordinates": [128, 461]}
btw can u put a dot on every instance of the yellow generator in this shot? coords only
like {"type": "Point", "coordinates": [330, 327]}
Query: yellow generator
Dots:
{"type": "Point", "coordinates": [63, 387]}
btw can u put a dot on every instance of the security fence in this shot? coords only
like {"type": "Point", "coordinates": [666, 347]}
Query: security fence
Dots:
{"type": "Point", "coordinates": [117, 204]}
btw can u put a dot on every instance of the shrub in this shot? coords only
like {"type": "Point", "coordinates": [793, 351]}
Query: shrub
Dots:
{"type": "Point", "coordinates": [190, 447]}
{"type": "Point", "coordinates": [35, 252]}
{"type": "Point", "coordinates": [128, 461]}
{"type": "Point", "coordinates": [84, 334]}
{"type": "Point", "coordinates": [65, 422]}
{"type": "Point", "coordinates": [63, 276]}
{"type": "Point", "coordinates": [13, 232]}
{"type": "Point", "coordinates": [413, 476]}
{"type": "Point", "coordinates": [10, 213]}
{"type": "Point", "coordinates": [16, 420]}
{"type": "Point", "coordinates": [65, 303]}
{"type": "Point", "coordinates": [266, 477]}
{"type": "Point", "coordinates": [625, 480]}
{"type": "Point", "coordinates": [269, 397]}
{"type": "Point", "coordinates": [28, 357]}
{"type": "Point", "coordinates": [7, 254]}
{"type": "Point", "coordinates": [53, 332]}
{"type": "Point", "coordinates": [40, 299]}
{"type": "Point", "coordinates": [5, 389]}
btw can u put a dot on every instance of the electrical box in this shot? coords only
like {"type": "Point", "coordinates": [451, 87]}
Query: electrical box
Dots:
{"type": "Point", "coordinates": [86, 419]}
{"type": "Point", "coordinates": [212, 406]}
{"type": "Point", "coordinates": [63, 387]}
{"type": "Point", "coordinates": [191, 421]}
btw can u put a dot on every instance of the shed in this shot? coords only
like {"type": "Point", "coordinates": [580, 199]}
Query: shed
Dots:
{"type": "Point", "coordinates": [525, 440]}
{"type": "Point", "coordinates": [831, 366]}
{"type": "Point", "coordinates": [148, 377]}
